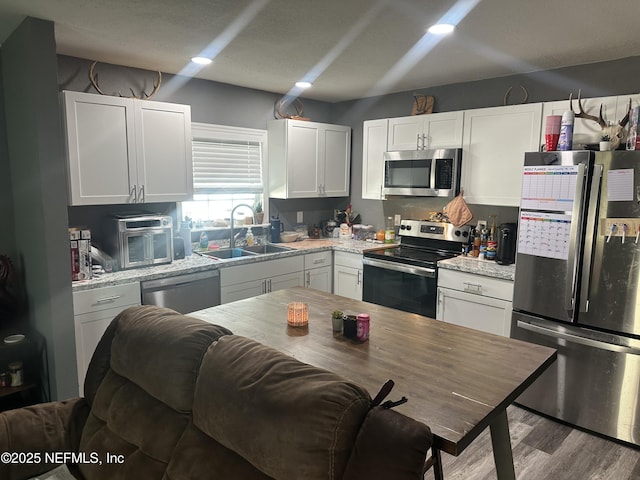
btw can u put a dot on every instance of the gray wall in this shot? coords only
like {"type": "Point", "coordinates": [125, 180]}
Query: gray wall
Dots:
{"type": "Point", "coordinates": [7, 235]}
{"type": "Point", "coordinates": [38, 180]}
{"type": "Point", "coordinates": [616, 77]}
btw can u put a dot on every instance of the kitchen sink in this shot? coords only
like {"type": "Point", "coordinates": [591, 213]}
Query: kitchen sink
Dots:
{"type": "Point", "coordinates": [228, 253]}
{"type": "Point", "coordinates": [266, 248]}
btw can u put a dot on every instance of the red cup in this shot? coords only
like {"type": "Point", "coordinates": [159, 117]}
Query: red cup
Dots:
{"type": "Point", "coordinates": [552, 132]}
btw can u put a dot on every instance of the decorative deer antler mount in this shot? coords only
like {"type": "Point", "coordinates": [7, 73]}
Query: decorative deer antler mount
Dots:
{"type": "Point", "coordinates": [616, 133]}
{"type": "Point", "coordinates": [144, 96]}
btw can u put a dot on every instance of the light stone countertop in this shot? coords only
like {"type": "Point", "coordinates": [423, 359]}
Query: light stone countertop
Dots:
{"type": "Point", "coordinates": [198, 263]}
{"type": "Point", "coordinates": [479, 267]}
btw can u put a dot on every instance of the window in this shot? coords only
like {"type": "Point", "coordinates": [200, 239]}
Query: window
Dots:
{"type": "Point", "coordinates": [229, 168]}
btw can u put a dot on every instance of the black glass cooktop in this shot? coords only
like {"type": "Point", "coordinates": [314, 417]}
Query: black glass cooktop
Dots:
{"type": "Point", "coordinates": [410, 255]}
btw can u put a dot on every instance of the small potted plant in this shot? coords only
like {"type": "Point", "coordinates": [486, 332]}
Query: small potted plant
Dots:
{"type": "Point", "coordinates": [336, 320]}
{"type": "Point", "coordinates": [259, 213]}
{"type": "Point", "coordinates": [605, 143]}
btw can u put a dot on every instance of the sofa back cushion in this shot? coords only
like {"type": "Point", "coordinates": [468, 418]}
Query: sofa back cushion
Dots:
{"type": "Point", "coordinates": [286, 418]}
{"type": "Point", "coordinates": [143, 400]}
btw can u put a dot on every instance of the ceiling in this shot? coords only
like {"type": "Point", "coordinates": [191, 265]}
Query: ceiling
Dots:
{"type": "Point", "coordinates": [347, 48]}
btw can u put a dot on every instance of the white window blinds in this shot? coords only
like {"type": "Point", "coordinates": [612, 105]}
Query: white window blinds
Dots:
{"type": "Point", "coordinates": [227, 160]}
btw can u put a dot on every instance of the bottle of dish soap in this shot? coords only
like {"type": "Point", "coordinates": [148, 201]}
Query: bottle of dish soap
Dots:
{"type": "Point", "coordinates": [204, 240]}
{"type": "Point", "coordinates": [249, 237]}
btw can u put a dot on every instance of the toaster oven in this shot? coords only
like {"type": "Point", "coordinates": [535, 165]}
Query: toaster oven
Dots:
{"type": "Point", "coordinates": [140, 240]}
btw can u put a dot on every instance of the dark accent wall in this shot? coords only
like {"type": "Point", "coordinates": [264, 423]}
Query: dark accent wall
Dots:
{"type": "Point", "coordinates": [617, 77]}
{"type": "Point", "coordinates": [38, 184]}
{"type": "Point", "coordinates": [7, 237]}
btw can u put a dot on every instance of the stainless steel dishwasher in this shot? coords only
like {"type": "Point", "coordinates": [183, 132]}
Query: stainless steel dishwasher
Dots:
{"type": "Point", "coordinates": [183, 293]}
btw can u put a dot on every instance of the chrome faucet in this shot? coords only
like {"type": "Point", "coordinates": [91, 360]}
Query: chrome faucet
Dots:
{"type": "Point", "coordinates": [232, 240]}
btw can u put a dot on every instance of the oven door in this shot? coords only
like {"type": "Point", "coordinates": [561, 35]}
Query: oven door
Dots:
{"type": "Point", "coordinates": [401, 286]}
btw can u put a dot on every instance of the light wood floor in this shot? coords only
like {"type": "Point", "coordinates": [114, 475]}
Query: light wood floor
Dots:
{"type": "Point", "coordinates": [546, 450]}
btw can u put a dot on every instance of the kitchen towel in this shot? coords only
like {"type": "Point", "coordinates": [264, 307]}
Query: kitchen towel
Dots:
{"type": "Point", "coordinates": [458, 211]}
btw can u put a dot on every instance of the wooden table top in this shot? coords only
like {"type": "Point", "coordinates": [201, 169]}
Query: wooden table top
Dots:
{"type": "Point", "coordinates": [457, 380]}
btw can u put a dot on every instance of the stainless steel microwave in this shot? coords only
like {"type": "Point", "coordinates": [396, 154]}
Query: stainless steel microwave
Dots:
{"type": "Point", "coordinates": [427, 173]}
{"type": "Point", "coordinates": [140, 240]}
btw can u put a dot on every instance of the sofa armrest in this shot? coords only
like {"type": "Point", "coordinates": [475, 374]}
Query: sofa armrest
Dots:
{"type": "Point", "coordinates": [47, 427]}
{"type": "Point", "coordinates": [389, 445]}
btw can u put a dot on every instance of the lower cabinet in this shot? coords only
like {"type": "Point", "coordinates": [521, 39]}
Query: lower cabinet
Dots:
{"type": "Point", "coordinates": [475, 301]}
{"type": "Point", "coordinates": [252, 279]}
{"type": "Point", "coordinates": [93, 311]}
{"type": "Point", "coordinates": [347, 275]}
{"type": "Point", "coordinates": [318, 271]}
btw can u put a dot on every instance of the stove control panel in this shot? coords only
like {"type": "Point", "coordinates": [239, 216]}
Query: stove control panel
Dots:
{"type": "Point", "coordinates": [434, 230]}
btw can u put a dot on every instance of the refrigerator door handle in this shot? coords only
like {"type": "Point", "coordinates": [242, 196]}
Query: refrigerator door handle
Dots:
{"type": "Point", "coordinates": [582, 340]}
{"type": "Point", "coordinates": [590, 233]}
{"type": "Point", "coordinates": [575, 250]}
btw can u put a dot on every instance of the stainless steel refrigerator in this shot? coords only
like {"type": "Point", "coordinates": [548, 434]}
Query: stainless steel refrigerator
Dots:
{"type": "Point", "coordinates": [577, 286]}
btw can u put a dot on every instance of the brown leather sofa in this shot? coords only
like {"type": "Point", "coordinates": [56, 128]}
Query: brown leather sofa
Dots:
{"type": "Point", "coordinates": [170, 397]}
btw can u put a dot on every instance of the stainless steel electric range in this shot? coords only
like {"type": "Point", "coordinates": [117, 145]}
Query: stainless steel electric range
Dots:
{"type": "Point", "coordinates": [406, 277]}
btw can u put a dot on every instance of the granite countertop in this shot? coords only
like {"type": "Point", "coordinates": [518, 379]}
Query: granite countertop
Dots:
{"type": "Point", "coordinates": [479, 267]}
{"type": "Point", "coordinates": [199, 263]}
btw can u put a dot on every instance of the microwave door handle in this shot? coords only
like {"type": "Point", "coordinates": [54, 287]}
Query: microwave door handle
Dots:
{"type": "Point", "coordinates": [575, 236]}
{"type": "Point", "coordinates": [590, 233]}
{"type": "Point", "coordinates": [432, 173]}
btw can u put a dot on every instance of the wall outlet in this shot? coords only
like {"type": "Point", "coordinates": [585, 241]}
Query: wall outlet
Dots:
{"type": "Point", "coordinates": [396, 219]}
{"type": "Point", "coordinates": [300, 217]}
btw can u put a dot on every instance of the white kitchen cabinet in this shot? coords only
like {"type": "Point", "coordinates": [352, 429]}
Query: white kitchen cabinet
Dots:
{"type": "Point", "coordinates": [252, 279]}
{"type": "Point", "coordinates": [318, 271]}
{"type": "Point", "coordinates": [347, 275]}
{"type": "Point", "coordinates": [494, 142]}
{"type": "Point", "coordinates": [123, 150]}
{"type": "Point", "coordinates": [93, 312]}
{"type": "Point", "coordinates": [475, 301]}
{"type": "Point", "coordinates": [422, 132]}
{"type": "Point", "coordinates": [374, 144]}
{"type": "Point", "coordinates": [308, 159]}
{"type": "Point", "coordinates": [584, 131]}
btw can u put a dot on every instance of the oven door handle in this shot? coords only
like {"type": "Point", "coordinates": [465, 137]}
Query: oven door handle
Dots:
{"type": "Point", "coordinates": [400, 267]}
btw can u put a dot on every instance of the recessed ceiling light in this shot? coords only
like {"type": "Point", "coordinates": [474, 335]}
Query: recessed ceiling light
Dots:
{"type": "Point", "coordinates": [303, 84]}
{"type": "Point", "coordinates": [201, 60]}
{"type": "Point", "coordinates": [441, 28]}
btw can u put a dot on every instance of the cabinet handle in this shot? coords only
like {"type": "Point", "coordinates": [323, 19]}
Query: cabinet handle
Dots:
{"type": "Point", "coordinates": [308, 279]}
{"type": "Point", "coordinates": [418, 146]}
{"type": "Point", "coordinates": [472, 287]}
{"type": "Point", "coordinates": [133, 194]}
{"type": "Point", "coordinates": [141, 200]}
{"type": "Point", "coordinates": [318, 261]}
{"type": "Point", "coordinates": [359, 273]}
{"type": "Point", "coordinates": [269, 285]}
{"type": "Point", "coordinates": [107, 299]}
{"type": "Point", "coordinates": [425, 141]}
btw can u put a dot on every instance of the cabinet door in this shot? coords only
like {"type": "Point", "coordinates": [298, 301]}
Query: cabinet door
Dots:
{"type": "Point", "coordinates": [405, 133]}
{"type": "Point", "coordinates": [319, 278]}
{"type": "Point", "coordinates": [240, 291]}
{"type": "Point", "coordinates": [443, 130]}
{"type": "Point", "coordinates": [164, 166]}
{"type": "Point", "coordinates": [584, 131]}
{"type": "Point", "coordinates": [303, 151]}
{"type": "Point", "coordinates": [334, 164]}
{"type": "Point", "coordinates": [280, 282]}
{"type": "Point", "coordinates": [489, 315]}
{"type": "Point", "coordinates": [374, 144]}
{"type": "Point", "coordinates": [100, 148]}
{"type": "Point", "coordinates": [347, 281]}
{"type": "Point", "coordinates": [495, 140]}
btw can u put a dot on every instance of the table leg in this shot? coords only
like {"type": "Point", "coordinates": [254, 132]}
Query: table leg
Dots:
{"type": "Point", "coordinates": [501, 442]}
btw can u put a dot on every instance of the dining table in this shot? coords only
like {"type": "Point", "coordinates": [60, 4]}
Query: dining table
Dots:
{"type": "Point", "coordinates": [457, 380]}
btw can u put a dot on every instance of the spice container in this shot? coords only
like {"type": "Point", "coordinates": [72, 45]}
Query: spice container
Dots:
{"type": "Point", "coordinates": [362, 327]}
{"type": "Point", "coordinates": [17, 376]}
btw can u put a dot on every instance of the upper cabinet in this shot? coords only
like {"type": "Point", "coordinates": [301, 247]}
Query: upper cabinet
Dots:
{"type": "Point", "coordinates": [423, 132]}
{"type": "Point", "coordinates": [374, 144]}
{"type": "Point", "coordinates": [123, 150]}
{"type": "Point", "coordinates": [495, 140]}
{"type": "Point", "coordinates": [308, 159]}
